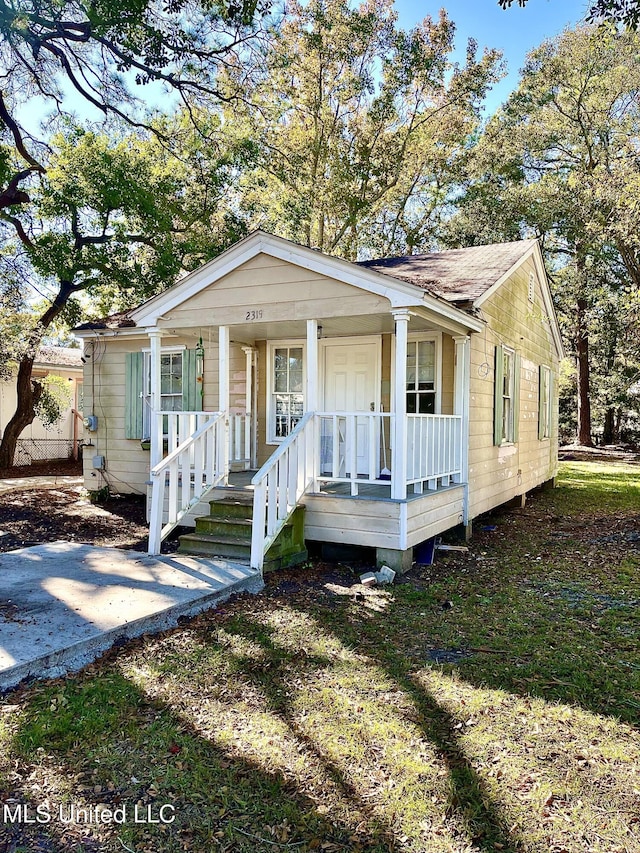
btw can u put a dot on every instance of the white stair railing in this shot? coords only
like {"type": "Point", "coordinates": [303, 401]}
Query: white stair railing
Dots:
{"type": "Point", "coordinates": [434, 450]}
{"type": "Point", "coordinates": [279, 485]}
{"type": "Point", "coordinates": [193, 466]}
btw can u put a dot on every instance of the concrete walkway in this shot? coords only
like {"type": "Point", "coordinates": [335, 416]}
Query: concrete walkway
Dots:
{"type": "Point", "coordinates": [63, 604]}
{"type": "Point", "coordinates": [16, 484]}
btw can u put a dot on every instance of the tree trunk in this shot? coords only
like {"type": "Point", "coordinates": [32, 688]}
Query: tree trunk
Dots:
{"type": "Point", "coordinates": [582, 357]}
{"type": "Point", "coordinates": [28, 395]}
{"type": "Point", "coordinates": [609, 431]}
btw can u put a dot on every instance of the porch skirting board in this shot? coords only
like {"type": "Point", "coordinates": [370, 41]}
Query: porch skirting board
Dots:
{"type": "Point", "coordinates": [379, 523]}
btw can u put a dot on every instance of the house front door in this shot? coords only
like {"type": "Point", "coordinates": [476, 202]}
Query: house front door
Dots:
{"type": "Point", "coordinates": [351, 384]}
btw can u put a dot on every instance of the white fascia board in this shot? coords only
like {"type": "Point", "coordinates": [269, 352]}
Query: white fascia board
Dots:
{"type": "Point", "coordinates": [127, 332]}
{"type": "Point", "coordinates": [149, 312]}
{"type": "Point", "coordinates": [455, 322]}
{"type": "Point", "coordinates": [548, 300]}
{"type": "Point", "coordinates": [399, 293]}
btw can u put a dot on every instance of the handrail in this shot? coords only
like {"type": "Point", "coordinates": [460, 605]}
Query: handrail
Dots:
{"type": "Point", "coordinates": [199, 455]}
{"type": "Point", "coordinates": [279, 485]}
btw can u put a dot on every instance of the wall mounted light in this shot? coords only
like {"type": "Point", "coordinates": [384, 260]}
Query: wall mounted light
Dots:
{"type": "Point", "coordinates": [319, 331]}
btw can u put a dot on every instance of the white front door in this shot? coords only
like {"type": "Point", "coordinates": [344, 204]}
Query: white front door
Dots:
{"type": "Point", "coordinates": [351, 384]}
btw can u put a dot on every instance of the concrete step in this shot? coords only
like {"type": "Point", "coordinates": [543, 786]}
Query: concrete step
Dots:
{"type": "Point", "coordinates": [226, 532]}
{"type": "Point", "coordinates": [231, 507]}
{"type": "Point", "coordinates": [216, 525]}
{"type": "Point", "coordinates": [215, 546]}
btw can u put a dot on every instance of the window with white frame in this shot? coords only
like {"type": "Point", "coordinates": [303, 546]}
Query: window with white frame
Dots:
{"type": "Point", "coordinates": [171, 380]}
{"type": "Point", "coordinates": [421, 377]}
{"type": "Point", "coordinates": [544, 412]}
{"type": "Point", "coordinates": [286, 393]}
{"type": "Point", "coordinates": [508, 382]}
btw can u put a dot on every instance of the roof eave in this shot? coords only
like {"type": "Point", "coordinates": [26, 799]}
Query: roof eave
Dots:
{"type": "Point", "coordinates": [399, 293]}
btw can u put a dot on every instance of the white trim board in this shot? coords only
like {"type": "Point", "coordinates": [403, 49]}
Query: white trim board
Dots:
{"type": "Point", "coordinates": [400, 294]}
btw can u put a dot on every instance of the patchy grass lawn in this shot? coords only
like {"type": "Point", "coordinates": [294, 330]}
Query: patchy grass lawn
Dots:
{"type": "Point", "coordinates": [487, 703]}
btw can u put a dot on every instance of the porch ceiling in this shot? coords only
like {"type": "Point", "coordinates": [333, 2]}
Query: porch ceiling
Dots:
{"type": "Point", "coordinates": [332, 327]}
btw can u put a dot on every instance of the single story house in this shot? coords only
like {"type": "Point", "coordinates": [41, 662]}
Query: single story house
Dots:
{"type": "Point", "coordinates": [61, 440]}
{"type": "Point", "coordinates": [376, 403]}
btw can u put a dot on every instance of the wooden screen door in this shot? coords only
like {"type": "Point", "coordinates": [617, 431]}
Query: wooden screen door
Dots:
{"type": "Point", "coordinates": [351, 384]}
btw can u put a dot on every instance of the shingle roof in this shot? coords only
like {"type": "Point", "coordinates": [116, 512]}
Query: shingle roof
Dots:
{"type": "Point", "coordinates": [122, 320]}
{"type": "Point", "coordinates": [457, 275]}
{"type": "Point", "coordinates": [59, 356]}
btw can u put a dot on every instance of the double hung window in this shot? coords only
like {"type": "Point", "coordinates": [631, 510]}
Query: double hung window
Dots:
{"type": "Point", "coordinates": [421, 377]}
{"type": "Point", "coordinates": [287, 390]}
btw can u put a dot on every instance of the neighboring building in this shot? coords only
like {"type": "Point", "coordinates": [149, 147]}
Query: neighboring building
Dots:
{"type": "Point", "coordinates": [38, 443]}
{"type": "Point", "coordinates": [394, 399]}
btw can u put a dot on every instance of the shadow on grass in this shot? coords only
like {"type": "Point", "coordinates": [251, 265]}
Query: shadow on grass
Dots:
{"type": "Point", "coordinates": [100, 742]}
{"type": "Point", "coordinates": [473, 816]}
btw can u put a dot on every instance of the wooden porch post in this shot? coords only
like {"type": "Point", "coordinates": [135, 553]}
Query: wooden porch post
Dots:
{"type": "Point", "coordinates": [461, 407]}
{"type": "Point", "coordinates": [248, 407]}
{"type": "Point", "coordinates": [312, 399]}
{"type": "Point", "coordinates": [311, 404]}
{"type": "Point", "coordinates": [223, 394]}
{"type": "Point", "coordinates": [400, 432]}
{"type": "Point", "coordinates": [155, 422]}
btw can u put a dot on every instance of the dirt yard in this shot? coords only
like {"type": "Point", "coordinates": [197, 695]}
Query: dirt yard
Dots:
{"type": "Point", "coordinates": [35, 516]}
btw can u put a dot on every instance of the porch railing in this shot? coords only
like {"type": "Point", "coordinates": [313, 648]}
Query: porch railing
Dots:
{"type": "Point", "coordinates": [354, 447]}
{"type": "Point", "coordinates": [174, 428]}
{"type": "Point", "coordinates": [279, 485]}
{"type": "Point", "coordinates": [240, 439]}
{"type": "Point", "coordinates": [434, 450]}
{"type": "Point", "coordinates": [192, 467]}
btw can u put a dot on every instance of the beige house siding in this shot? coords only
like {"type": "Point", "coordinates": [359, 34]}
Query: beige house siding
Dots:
{"type": "Point", "coordinates": [268, 290]}
{"type": "Point", "coordinates": [126, 463]}
{"type": "Point", "coordinates": [498, 474]}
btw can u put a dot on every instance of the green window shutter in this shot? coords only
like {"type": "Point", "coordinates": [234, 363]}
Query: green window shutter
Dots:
{"type": "Point", "coordinates": [517, 367]}
{"type": "Point", "coordinates": [191, 388]}
{"type": "Point", "coordinates": [497, 404]}
{"type": "Point", "coordinates": [540, 403]}
{"type": "Point", "coordinates": [134, 387]}
{"type": "Point", "coordinates": [553, 409]}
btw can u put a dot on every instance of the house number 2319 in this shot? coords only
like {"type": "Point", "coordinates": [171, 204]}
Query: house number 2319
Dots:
{"type": "Point", "coordinates": [255, 314]}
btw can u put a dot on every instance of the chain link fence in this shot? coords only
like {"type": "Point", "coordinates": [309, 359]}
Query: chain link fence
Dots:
{"type": "Point", "coordinates": [30, 450]}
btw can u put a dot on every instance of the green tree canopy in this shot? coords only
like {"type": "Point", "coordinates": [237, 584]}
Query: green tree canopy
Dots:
{"type": "Point", "coordinates": [561, 160]}
{"type": "Point", "coordinates": [362, 127]}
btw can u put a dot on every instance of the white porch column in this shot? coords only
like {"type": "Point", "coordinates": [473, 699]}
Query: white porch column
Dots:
{"type": "Point", "coordinates": [400, 432]}
{"type": "Point", "coordinates": [155, 422]}
{"type": "Point", "coordinates": [312, 396]}
{"type": "Point", "coordinates": [461, 407]}
{"type": "Point", "coordinates": [223, 394]}
{"type": "Point", "coordinates": [312, 399]}
{"type": "Point", "coordinates": [248, 404]}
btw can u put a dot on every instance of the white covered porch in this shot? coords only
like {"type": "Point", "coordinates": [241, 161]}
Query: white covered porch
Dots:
{"type": "Point", "coordinates": [406, 470]}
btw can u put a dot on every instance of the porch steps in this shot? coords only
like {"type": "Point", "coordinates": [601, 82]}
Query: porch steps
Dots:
{"type": "Point", "coordinates": [226, 532]}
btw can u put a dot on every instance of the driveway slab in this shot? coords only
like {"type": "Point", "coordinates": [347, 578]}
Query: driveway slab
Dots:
{"type": "Point", "coordinates": [63, 604]}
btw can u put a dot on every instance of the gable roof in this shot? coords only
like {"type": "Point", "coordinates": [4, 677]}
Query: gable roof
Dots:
{"type": "Point", "coordinates": [457, 275]}
{"type": "Point", "coordinates": [401, 294]}
{"type": "Point", "coordinates": [452, 284]}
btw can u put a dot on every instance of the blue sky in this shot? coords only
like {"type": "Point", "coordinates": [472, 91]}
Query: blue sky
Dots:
{"type": "Point", "coordinates": [514, 31]}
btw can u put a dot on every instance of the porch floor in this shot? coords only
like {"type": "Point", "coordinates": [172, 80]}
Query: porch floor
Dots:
{"type": "Point", "coordinates": [366, 491]}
